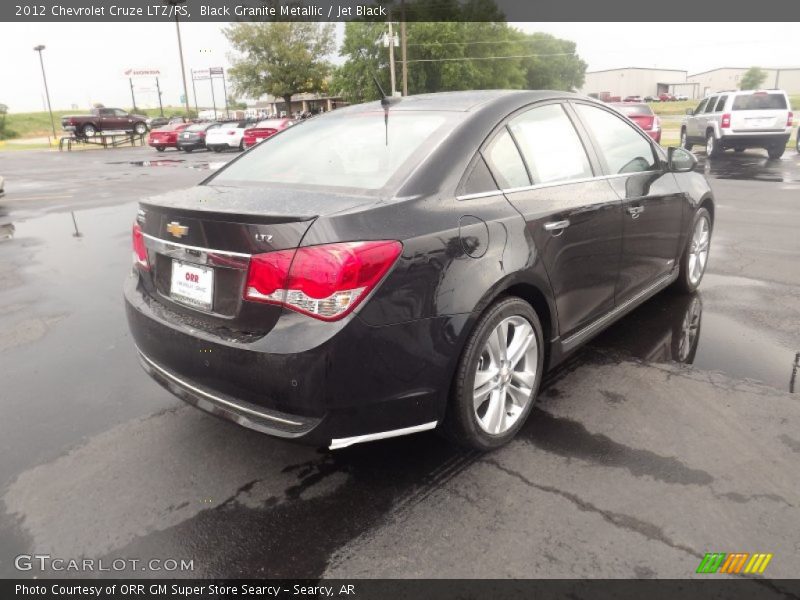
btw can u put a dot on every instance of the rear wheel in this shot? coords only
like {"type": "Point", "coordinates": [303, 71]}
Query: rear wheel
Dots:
{"type": "Point", "coordinates": [695, 255]}
{"type": "Point", "coordinates": [776, 151]}
{"type": "Point", "coordinates": [498, 376]}
{"type": "Point", "coordinates": [713, 148]}
{"type": "Point", "coordinates": [140, 128]}
{"type": "Point", "coordinates": [216, 148]}
{"type": "Point", "coordinates": [241, 145]}
{"type": "Point", "coordinates": [161, 148]}
{"type": "Point", "coordinates": [685, 140]}
{"type": "Point", "coordinates": [188, 150]}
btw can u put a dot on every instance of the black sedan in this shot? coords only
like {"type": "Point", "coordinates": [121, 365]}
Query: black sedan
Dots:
{"type": "Point", "coordinates": [194, 136]}
{"type": "Point", "coordinates": [395, 267]}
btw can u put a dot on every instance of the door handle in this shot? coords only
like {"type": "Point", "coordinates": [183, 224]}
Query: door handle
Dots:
{"type": "Point", "coordinates": [635, 211]}
{"type": "Point", "coordinates": [556, 225]}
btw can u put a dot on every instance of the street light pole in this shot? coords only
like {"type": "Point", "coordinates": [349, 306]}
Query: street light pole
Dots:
{"type": "Point", "coordinates": [174, 4]}
{"type": "Point", "coordinates": [39, 49]}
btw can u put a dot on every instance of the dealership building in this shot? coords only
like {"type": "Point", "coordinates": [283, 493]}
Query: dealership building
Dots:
{"type": "Point", "coordinates": [641, 81]}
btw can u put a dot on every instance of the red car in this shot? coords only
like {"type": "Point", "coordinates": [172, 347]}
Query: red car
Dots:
{"type": "Point", "coordinates": [666, 98]}
{"type": "Point", "coordinates": [264, 129]}
{"type": "Point", "coordinates": [166, 137]}
{"type": "Point", "coordinates": [643, 116]}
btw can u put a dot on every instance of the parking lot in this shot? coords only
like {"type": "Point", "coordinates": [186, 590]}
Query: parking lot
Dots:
{"type": "Point", "coordinates": [673, 434]}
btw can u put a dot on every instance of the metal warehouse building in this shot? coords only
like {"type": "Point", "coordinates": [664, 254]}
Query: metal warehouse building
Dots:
{"type": "Point", "coordinates": [728, 78]}
{"type": "Point", "coordinates": [637, 81]}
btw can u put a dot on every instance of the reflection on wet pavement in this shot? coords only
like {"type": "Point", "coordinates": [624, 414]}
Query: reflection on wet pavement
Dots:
{"type": "Point", "coordinates": [750, 165]}
{"type": "Point", "coordinates": [174, 162]}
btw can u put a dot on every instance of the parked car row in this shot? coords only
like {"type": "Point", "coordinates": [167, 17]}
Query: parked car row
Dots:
{"type": "Point", "coordinates": [215, 136]}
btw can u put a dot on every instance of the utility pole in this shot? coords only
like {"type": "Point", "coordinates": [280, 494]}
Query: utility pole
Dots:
{"type": "Point", "coordinates": [174, 4]}
{"type": "Point", "coordinates": [213, 100]}
{"type": "Point", "coordinates": [225, 91]}
{"type": "Point", "coordinates": [403, 46]}
{"type": "Point", "coordinates": [391, 54]}
{"type": "Point", "coordinates": [194, 93]}
{"type": "Point", "coordinates": [39, 49]}
{"type": "Point", "coordinates": [133, 97]}
{"type": "Point", "coordinates": [160, 106]}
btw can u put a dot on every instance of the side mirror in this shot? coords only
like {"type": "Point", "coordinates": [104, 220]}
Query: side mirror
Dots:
{"type": "Point", "coordinates": [689, 112]}
{"type": "Point", "coordinates": [680, 160]}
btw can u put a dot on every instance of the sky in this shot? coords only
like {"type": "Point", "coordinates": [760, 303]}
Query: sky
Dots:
{"type": "Point", "coordinates": [84, 69]}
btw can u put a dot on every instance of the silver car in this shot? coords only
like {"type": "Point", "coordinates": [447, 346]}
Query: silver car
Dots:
{"type": "Point", "coordinates": [739, 120]}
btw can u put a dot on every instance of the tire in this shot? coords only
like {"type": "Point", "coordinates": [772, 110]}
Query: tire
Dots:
{"type": "Point", "coordinates": [685, 144]}
{"type": "Point", "coordinates": [480, 427]}
{"type": "Point", "coordinates": [776, 152]}
{"type": "Point", "coordinates": [216, 148]}
{"type": "Point", "coordinates": [140, 128]}
{"type": "Point", "coordinates": [713, 149]}
{"type": "Point", "coordinates": [88, 130]}
{"type": "Point", "coordinates": [161, 148]}
{"type": "Point", "coordinates": [241, 146]}
{"type": "Point", "coordinates": [688, 278]}
{"type": "Point", "coordinates": [188, 150]}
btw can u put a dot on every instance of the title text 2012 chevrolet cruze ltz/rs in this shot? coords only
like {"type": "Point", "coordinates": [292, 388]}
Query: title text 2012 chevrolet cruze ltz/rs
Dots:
{"type": "Point", "coordinates": [410, 264]}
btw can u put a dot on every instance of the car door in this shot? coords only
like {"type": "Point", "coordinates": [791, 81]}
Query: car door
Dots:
{"type": "Point", "coordinates": [106, 119]}
{"type": "Point", "coordinates": [574, 219]}
{"type": "Point", "coordinates": [122, 120]}
{"type": "Point", "coordinates": [692, 128]}
{"type": "Point", "coordinates": [652, 201]}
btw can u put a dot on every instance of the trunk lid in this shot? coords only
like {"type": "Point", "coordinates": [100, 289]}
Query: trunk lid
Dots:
{"type": "Point", "coordinates": [199, 242]}
{"type": "Point", "coordinates": [643, 121]}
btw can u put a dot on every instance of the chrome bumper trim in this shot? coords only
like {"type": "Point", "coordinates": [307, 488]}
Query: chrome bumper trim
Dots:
{"type": "Point", "coordinates": [371, 437]}
{"type": "Point", "coordinates": [213, 398]}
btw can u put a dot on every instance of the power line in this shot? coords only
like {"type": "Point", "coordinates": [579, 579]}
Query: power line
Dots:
{"type": "Point", "coordinates": [488, 57]}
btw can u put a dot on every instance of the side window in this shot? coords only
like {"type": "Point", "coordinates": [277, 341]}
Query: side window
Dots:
{"type": "Point", "coordinates": [120, 113]}
{"type": "Point", "coordinates": [479, 179]}
{"type": "Point", "coordinates": [721, 104]}
{"type": "Point", "coordinates": [550, 145]}
{"type": "Point", "coordinates": [700, 107]}
{"type": "Point", "coordinates": [712, 102]}
{"type": "Point", "coordinates": [625, 149]}
{"type": "Point", "coordinates": [506, 162]}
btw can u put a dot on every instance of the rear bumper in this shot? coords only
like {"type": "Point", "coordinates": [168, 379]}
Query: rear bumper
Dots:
{"type": "Point", "coordinates": [161, 144]}
{"type": "Point", "coordinates": [193, 145]}
{"type": "Point", "coordinates": [754, 140]}
{"type": "Point", "coordinates": [357, 384]}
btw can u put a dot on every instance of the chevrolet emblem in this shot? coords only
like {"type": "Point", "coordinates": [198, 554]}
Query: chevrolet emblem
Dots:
{"type": "Point", "coordinates": [177, 230]}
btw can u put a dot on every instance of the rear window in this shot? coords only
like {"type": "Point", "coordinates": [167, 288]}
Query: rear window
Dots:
{"type": "Point", "coordinates": [198, 127]}
{"type": "Point", "coordinates": [634, 110]}
{"type": "Point", "coordinates": [760, 102]}
{"type": "Point", "coordinates": [351, 150]}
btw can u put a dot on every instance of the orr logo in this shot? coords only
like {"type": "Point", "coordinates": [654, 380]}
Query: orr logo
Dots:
{"type": "Point", "coordinates": [734, 563]}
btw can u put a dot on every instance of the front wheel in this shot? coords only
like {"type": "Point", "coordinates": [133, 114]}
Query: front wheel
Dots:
{"type": "Point", "coordinates": [89, 130]}
{"type": "Point", "coordinates": [140, 128]}
{"type": "Point", "coordinates": [498, 376]}
{"type": "Point", "coordinates": [713, 149]}
{"type": "Point", "coordinates": [685, 144]}
{"type": "Point", "coordinates": [776, 151]}
{"type": "Point", "coordinates": [695, 255]}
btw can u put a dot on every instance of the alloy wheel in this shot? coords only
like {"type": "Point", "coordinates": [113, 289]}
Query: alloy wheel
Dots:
{"type": "Point", "coordinates": [689, 329]}
{"type": "Point", "coordinates": [698, 250]}
{"type": "Point", "coordinates": [505, 375]}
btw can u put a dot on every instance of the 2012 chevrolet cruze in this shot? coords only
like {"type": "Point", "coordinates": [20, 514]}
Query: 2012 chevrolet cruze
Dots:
{"type": "Point", "coordinates": [400, 266]}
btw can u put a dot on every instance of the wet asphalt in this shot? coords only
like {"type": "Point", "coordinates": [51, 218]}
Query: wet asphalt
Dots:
{"type": "Point", "coordinates": [674, 433]}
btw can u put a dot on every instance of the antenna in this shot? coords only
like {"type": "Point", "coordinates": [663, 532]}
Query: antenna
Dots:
{"type": "Point", "coordinates": [386, 101]}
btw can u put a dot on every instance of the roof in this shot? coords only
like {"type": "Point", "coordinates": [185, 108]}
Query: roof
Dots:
{"type": "Point", "coordinates": [745, 69]}
{"type": "Point", "coordinates": [465, 101]}
{"type": "Point", "coordinates": [636, 69]}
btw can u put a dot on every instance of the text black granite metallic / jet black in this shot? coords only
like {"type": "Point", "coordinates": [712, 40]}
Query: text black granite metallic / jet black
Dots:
{"type": "Point", "coordinates": [413, 264]}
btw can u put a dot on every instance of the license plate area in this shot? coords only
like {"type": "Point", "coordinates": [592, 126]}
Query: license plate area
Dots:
{"type": "Point", "coordinates": [192, 285]}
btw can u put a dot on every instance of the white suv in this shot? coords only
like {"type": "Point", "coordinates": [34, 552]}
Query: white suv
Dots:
{"type": "Point", "coordinates": [739, 120]}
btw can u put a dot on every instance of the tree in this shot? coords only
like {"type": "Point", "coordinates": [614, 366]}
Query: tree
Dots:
{"type": "Point", "coordinates": [280, 58]}
{"type": "Point", "coordinates": [556, 65]}
{"type": "Point", "coordinates": [235, 104]}
{"type": "Point", "coordinates": [753, 78]}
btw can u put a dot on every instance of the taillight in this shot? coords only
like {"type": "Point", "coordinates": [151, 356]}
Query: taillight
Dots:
{"type": "Point", "coordinates": [726, 121]}
{"type": "Point", "coordinates": [139, 250]}
{"type": "Point", "coordinates": [789, 119]}
{"type": "Point", "coordinates": [325, 282]}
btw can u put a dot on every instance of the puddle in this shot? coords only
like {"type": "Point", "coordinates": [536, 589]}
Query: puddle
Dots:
{"type": "Point", "coordinates": [164, 162]}
{"type": "Point", "coordinates": [752, 166]}
{"type": "Point", "coordinates": [680, 328]}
